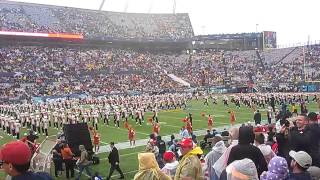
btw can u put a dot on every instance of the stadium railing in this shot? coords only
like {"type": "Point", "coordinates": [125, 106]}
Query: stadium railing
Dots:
{"type": "Point", "coordinates": [41, 159]}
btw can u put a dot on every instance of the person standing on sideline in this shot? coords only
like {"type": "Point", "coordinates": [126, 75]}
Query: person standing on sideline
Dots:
{"type": "Point", "coordinates": [96, 141]}
{"type": "Point", "coordinates": [114, 161]}
{"type": "Point", "coordinates": [257, 117]}
{"type": "Point", "coordinates": [269, 114]}
{"type": "Point", "coordinates": [83, 163]}
{"type": "Point", "coordinates": [67, 157]}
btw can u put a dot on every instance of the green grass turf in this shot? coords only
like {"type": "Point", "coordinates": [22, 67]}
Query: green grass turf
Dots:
{"type": "Point", "coordinates": [170, 124]}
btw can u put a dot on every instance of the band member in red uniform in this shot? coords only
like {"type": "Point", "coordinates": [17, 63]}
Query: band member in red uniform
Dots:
{"type": "Point", "coordinates": [189, 127]}
{"type": "Point", "coordinates": [96, 140]}
{"type": "Point", "coordinates": [156, 129]}
{"type": "Point", "coordinates": [210, 122]}
{"type": "Point", "coordinates": [126, 124]}
{"type": "Point", "coordinates": [232, 117]}
{"type": "Point", "coordinates": [132, 136]}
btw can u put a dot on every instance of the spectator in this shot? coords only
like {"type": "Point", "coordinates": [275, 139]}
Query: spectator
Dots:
{"type": "Point", "coordinates": [174, 148]}
{"type": "Point", "coordinates": [204, 143]}
{"type": "Point", "coordinates": [245, 150]}
{"type": "Point", "coordinates": [301, 161]}
{"type": "Point", "coordinates": [184, 132]}
{"type": "Point", "coordinates": [277, 169]}
{"type": "Point", "coordinates": [194, 138]}
{"type": "Point", "coordinates": [84, 163]}
{"type": "Point", "coordinates": [172, 138]}
{"type": "Point", "coordinates": [221, 163]}
{"type": "Point", "coordinates": [67, 157]}
{"type": "Point", "coordinates": [57, 158]}
{"type": "Point", "coordinates": [189, 165]}
{"type": "Point", "coordinates": [161, 146]}
{"type": "Point", "coordinates": [271, 134]}
{"type": "Point", "coordinates": [314, 172]}
{"type": "Point", "coordinates": [225, 132]}
{"type": "Point", "coordinates": [171, 164]}
{"type": "Point", "coordinates": [265, 149]}
{"type": "Point", "coordinates": [240, 169]}
{"type": "Point", "coordinates": [15, 159]}
{"type": "Point", "coordinates": [211, 158]}
{"type": "Point", "coordinates": [207, 136]}
{"type": "Point", "coordinates": [298, 138]}
{"type": "Point", "coordinates": [152, 147]}
{"type": "Point", "coordinates": [113, 158]}
{"type": "Point", "coordinates": [315, 134]}
{"type": "Point", "coordinates": [149, 169]}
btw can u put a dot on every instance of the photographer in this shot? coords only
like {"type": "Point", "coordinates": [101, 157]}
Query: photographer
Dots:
{"type": "Point", "coordinates": [297, 138]}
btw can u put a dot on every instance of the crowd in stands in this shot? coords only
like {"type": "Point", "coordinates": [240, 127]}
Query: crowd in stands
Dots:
{"type": "Point", "coordinates": [44, 71]}
{"type": "Point", "coordinates": [38, 71]}
{"type": "Point", "coordinates": [93, 24]}
{"type": "Point", "coordinates": [312, 63]}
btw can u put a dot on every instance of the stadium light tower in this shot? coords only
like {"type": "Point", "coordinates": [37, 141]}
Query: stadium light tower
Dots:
{"type": "Point", "coordinates": [102, 4]}
{"type": "Point", "coordinates": [150, 6]}
{"type": "Point", "coordinates": [174, 6]}
{"type": "Point", "coordinates": [126, 6]}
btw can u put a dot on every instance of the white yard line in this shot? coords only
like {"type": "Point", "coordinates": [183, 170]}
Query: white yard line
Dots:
{"type": "Point", "coordinates": [122, 155]}
{"type": "Point", "coordinates": [129, 172]}
{"type": "Point", "coordinates": [127, 131]}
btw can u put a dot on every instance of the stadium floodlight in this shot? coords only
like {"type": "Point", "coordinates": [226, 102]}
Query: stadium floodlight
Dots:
{"type": "Point", "coordinates": [102, 4]}
{"type": "Point", "coordinates": [174, 6]}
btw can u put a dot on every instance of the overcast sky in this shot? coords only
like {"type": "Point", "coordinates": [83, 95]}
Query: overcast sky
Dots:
{"type": "Point", "coordinates": [293, 20]}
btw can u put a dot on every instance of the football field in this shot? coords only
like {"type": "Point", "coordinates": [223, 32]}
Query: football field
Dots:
{"type": "Point", "coordinates": [170, 123]}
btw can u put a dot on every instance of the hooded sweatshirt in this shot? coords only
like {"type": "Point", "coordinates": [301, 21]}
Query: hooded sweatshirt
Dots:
{"type": "Point", "coordinates": [190, 165]}
{"type": "Point", "coordinates": [170, 168]}
{"type": "Point", "coordinates": [217, 150]}
{"type": "Point", "coordinates": [246, 150]}
{"type": "Point", "coordinates": [221, 163]}
{"type": "Point", "coordinates": [266, 151]}
{"type": "Point", "coordinates": [149, 169]}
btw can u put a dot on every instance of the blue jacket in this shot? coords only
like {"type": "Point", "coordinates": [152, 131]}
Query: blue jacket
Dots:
{"type": "Point", "coordinates": [33, 176]}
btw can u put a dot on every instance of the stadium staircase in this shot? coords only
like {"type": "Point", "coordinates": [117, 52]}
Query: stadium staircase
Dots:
{"type": "Point", "coordinates": [285, 56]}
{"type": "Point", "coordinates": [179, 80]}
{"type": "Point", "coordinates": [175, 78]}
{"type": "Point", "coordinates": [261, 60]}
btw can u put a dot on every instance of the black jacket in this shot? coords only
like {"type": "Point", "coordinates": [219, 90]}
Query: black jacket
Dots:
{"type": "Point", "coordinates": [162, 146]}
{"type": "Point", "coordinates": [315, 143]}
{"type": "Point", "coordinates": [113, 156]}
{"type": "Point", "coordinates": [299, 176]}
{"type": "Point", "coordinates": [297, 140]}
{"type": "Point", "coordinates": [245, 150]}
{"type": "Point", "coordinates": [257, 118]}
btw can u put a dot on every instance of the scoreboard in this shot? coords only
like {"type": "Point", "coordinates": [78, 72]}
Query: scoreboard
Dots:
{"type": "Point", "coordinates": [269, 39]}
{"type": "Point", "coordinates": [242, 41]}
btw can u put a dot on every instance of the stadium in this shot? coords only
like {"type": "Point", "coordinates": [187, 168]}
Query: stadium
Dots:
{"type": "Point", "coordinates": [85, 92]}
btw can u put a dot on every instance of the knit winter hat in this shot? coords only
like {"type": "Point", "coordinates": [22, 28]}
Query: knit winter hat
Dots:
{"type": "Point", "coordinates": [242, 169]}
{"type": "Point", "coordinates": [277, 169]}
